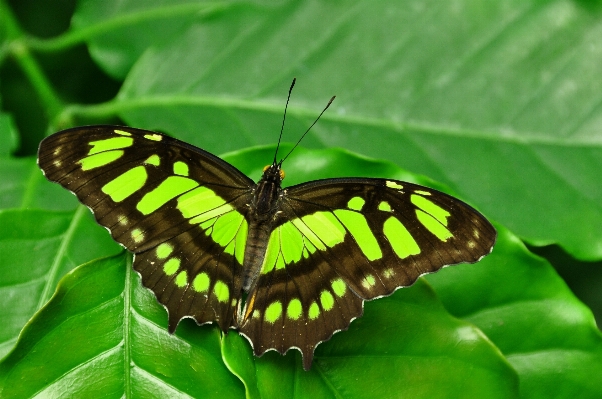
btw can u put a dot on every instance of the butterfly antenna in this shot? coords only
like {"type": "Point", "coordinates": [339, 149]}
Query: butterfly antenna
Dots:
{"type": "Point", "coordinates": [284, 118]}
{"type": "Point", "coordinates": [312, 125]}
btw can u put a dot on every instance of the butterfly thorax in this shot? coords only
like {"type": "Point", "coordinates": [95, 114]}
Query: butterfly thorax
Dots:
{"type": "Point", "coordinates": [262, 216]}
{"type": "Point", "coordinates": [267, 194]}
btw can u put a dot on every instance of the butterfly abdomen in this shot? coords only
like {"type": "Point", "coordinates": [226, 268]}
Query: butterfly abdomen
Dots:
{"type": "Point", "coordinates": [261, 222]}
{"type": "Point", "coordinates": [257, 240]}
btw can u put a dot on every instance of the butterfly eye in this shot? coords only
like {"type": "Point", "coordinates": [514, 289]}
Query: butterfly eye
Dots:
{"type": "Point", "coordinates": [282, 174]}
{"type": "Point", "coordinates": [265, 168]}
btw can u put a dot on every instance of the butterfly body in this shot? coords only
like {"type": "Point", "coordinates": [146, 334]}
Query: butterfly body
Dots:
{"type": "Point", "coordinates": [307, 257]}
{"type": "Point", "coordinates": [262, 218]}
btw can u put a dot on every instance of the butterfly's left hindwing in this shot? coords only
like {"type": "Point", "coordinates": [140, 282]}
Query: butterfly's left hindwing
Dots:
{"type": "Point", "coordinates": [342, 241]}
{"type": "Point", "coordinates": [180, 210]}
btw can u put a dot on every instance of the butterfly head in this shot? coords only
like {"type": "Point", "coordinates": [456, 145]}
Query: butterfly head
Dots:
{"type": "Point", "coordinates": [273, 173]}
{"type": "Point", "coordinates": [267, 192]}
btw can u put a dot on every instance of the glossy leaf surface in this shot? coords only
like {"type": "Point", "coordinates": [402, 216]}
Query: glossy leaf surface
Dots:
{"type": "Point", "coordinates": [509, 89]}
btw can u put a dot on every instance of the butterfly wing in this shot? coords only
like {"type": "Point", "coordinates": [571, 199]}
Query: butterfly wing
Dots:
{"type": "Point", "coordinates": [342, 241]}
{"type": "Point", "coordinates": [179, 209]}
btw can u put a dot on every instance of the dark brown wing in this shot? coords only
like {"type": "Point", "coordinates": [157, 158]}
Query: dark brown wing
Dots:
{"type": "Point", "coordinates": [162, 200]}
{"type": "Point", "coordinates": [342, 241]}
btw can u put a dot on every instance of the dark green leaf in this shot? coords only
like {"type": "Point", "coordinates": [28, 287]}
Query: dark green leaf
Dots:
{"type": "Point", "coordinates": [101, 335]}
{"type": "Point", "coordinates": [119, 33]}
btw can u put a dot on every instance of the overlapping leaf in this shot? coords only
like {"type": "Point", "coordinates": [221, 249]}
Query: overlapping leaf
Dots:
{"type": "Point", "coordinates": [510, 89]}
{"type": "Point", "coordinates": [522, 305]}
{"type": "Point", "coordinates": [36, 249]}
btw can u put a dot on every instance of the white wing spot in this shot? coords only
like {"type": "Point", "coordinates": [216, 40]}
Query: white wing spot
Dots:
{"type": "Point", "coordinates": [388, 273]}
{"type": "Point", "coordinates": [137, 236]}
{"type": "Point", "coordinates": [57, 163]}
{"type": "Point", "coordinates": [471, 244]}
{"type": "Point", "coordinates": [368, 281]}
{"type": "Point", "coordinates": [475, 233]}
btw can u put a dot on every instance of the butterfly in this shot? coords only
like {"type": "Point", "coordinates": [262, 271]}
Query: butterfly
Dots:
{"type": "Point", "coordinates": [286, 267]}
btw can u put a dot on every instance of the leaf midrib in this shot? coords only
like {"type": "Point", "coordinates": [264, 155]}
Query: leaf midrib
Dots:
{"type": "Point", "coordinates": [122, 104]}
{"type": "Point", "coordinates": [60, 256]}
{"type": "Point", "coordinates": [127, 318]}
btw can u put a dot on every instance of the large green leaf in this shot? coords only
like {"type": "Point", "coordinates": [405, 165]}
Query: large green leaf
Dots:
{"type": "Point", "coordinates": [406, 343]}
{"type": "Point", "coordinates": [103, 335]}
{"type": "Point", "coordinates": [509, 89]}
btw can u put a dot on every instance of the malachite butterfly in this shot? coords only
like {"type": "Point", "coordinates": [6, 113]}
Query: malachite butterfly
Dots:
{"type": "Point", "coordinates": [286, 267]}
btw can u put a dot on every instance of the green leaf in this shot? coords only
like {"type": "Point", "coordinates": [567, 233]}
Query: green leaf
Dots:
{"type": "Point", "coordinates": [304, 165]}
{"type": "Point", "coordinates": [521, 304]}
{"type": "Point", "coordinates": [37, 248]}
{"type": "Point", "coordinates": [402, 343]}
{"type": "Point", "coordinates": [22, 186]}
{"type": "Point", "coordinates": [103, 333]}
{"type": "Point", "coordinates": [118, 33]}
{"type": "Point", "coordinates": [500, 101]}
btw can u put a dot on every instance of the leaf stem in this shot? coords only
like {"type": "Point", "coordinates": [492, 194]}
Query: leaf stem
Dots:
{"type": "Point", "coordinates": [18, 48]}
{"type": "Point", "coordinates": [114, 23]}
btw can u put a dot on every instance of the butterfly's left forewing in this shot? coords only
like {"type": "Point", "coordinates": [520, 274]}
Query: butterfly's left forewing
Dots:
{"type": "Point", "coordinates": [342, 241]}
{"type": "Point", "coordinates": [180, 209]}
